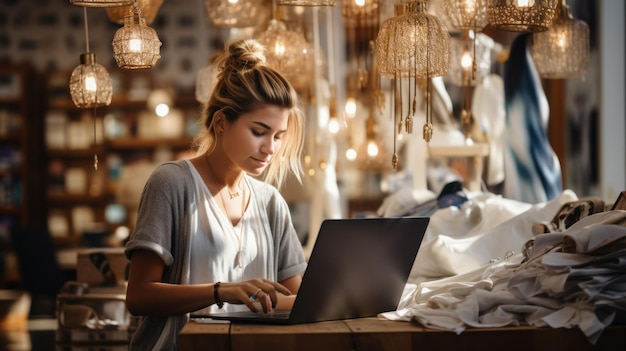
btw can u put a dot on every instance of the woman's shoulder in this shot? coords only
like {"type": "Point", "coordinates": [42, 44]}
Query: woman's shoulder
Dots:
{"type": "Point", "coordinates": [171, 171]}
{"type": "Point", "coordinates": [262, 188]}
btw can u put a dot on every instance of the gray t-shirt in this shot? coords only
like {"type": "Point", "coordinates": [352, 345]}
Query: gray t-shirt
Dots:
{"type": "Point", "coordinates": [167, 218]}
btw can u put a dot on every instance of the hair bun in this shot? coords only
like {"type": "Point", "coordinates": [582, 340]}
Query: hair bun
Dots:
{"type": "Point", "coordinates": [244, 55]}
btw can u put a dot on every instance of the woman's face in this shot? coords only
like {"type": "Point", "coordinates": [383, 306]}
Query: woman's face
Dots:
{"type": "Point", "coordinates": [255, 137]}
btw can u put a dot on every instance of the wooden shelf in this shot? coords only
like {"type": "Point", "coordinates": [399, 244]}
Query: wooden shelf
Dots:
{"type": "Point", "coordinates": [130, 143]}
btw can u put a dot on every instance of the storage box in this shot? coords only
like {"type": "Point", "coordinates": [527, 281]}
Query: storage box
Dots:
{"type": "Point", "coordinates": [102, 267]}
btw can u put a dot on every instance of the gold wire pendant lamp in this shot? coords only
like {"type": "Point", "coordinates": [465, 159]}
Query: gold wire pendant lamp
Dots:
{"type": "Point", "coordinates": [101, 3]}
{"type": "Point", "coordinates": [563, 50]}
{"type": "Point", "coordinates": [464, 14]}
{"type": "Point", "coordinates": [90, 83]}
{"type": "Point", "coordinates": [413, 43]}
{"type": "Point", "coordinates": [234, 13]}
{"type": "Point", "coordinates": [522, 15]}
{"type": "Point", "coordinates": [288, 52]}
{"type": "Point", "coordinates": [135, 45]}
{"type": "Point", "coordinates": [148, 8]}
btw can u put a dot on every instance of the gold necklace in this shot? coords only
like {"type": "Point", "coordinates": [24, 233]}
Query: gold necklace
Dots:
{"type": "Point", "coordinates": [231, 195]}
{"type": "Point", "coordinates": [240, 236]}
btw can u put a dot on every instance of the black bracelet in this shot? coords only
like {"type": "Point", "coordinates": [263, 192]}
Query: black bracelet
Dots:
{"type": "Point", "coordinates": [216, 295]}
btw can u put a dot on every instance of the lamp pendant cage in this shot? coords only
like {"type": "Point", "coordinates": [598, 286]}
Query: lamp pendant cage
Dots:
{"type": "Point", "coordinates": [522, 15]}
{"type": "Point", "coordinates": [135, 45]}
{"type": "Point", "coordinates": [563, 50]}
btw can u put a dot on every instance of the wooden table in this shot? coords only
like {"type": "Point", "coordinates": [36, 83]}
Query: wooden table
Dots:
{"type": "Point", "coordinates": [379, 334]}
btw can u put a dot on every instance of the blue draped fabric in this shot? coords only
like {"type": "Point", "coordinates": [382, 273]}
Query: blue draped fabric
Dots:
{"type": "Point", "coordinates": [532, 170]}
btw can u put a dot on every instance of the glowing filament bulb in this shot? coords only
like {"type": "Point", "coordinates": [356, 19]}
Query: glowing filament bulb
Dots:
{"type": "Point", "coordinates": [279, 48]}
{"type": "Point", "coordinates": [372, 149]}
{"type": "Point", "coordinates": [359, 3]}
{"type": "Point", "coordinates": [466, 60]}
{"type": "Point", "coordinates": [351, 154]}
{"type": "Point", "coordinates": [134, 45]}
{"type": "Point", "coordinates": [90, 83]}
{"type": "Point", "coordinates": [525, 3]}
{"type": "Point", "coordinates": [233, 1]}
{"type": "Point", "coordinates": [350, 108]}
{"type": "Point", "coordinates": [561, 40]}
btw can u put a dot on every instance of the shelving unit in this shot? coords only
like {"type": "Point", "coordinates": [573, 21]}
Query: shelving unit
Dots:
{"type": "Point", "coordinates": [20, 151]}
{"type": "Point", "coordinates": [87, 206]}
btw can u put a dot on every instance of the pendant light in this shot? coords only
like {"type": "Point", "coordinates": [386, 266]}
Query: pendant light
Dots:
{"type": "Point", "coordinates": [90, 84]}
{"type": "Point", "coordinates": [234, 13]}
{"type": "Point", "coordinates": [563, 50]}
{"type": "Point", "coordinates": [135, 45]}
{"type": "Point", "coordinates": [522, 15]}
{"type": "Point", "coordinates": [288, 52]}
{"type": "Point", "coordinates": [149, 8]}
{"type": "Point", "coordinates": [464, 14]}
{"type": "Point", "coordinates": [413, 45]}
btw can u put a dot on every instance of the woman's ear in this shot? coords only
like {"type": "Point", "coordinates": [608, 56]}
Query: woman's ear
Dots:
{"type": "Point", "coordinates": [219, 120]}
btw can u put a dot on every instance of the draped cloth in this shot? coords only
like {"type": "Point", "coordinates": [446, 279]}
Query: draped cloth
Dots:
{"type": "Point", "coordinates": [532, 169]}
{"type": "Point", "coordinates": [570, 279]}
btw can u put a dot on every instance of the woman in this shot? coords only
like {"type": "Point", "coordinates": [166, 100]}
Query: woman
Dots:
{"type": "Point", "coordinates": [209, 236]}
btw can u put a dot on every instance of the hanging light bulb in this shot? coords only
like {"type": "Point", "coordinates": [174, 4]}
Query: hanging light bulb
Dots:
{"type": "Point", "coordinates": [135, 45]}
{"type": "Point", "coordinates": [464, 51]}
{"type": "Point", "coordinates": [90, 83]}
{"type": "Point", "coordinates": [522, 15]}
{"type": "Point", "coordinates": [563, 50]}
{"type": "Point", "coordinates": [149, 9]}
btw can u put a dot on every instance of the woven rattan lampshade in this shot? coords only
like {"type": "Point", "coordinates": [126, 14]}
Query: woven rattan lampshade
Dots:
{"type": "Point", "coordinates": [563, 50]}
{"type": "Point", "coordinates": [234, 13]}
{"type": "Point", "coordinates": [464, 14]}
{"type": "Point", "coordinates": [101, 3]}
{"type": "Point", "coordinates": [288, 52]}
{"type": "Point", "coordinates": [413, 43]}
{"type": "Point", "coordinates": [522, 15]}
{"type": "Point", "coordinates": [90, 83]}
{"type": "Point", "coordinates": [135, 45]}
{"type": "Point", "coordinates": [148, 8]}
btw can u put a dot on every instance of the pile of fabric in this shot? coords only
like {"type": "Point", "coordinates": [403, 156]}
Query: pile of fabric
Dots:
{"type": "Point", "coordinates": [570, 272]}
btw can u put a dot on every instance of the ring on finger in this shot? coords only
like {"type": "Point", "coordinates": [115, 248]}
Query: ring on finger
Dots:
{"type": "Point", "coordinates": [254, 296]}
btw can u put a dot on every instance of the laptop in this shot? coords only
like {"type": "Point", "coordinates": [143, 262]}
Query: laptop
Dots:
{"type": "Point", "coordinates": [358, 268]}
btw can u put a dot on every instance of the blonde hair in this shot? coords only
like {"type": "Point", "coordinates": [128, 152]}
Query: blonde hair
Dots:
{"type": "Point", "coordinates": [245, 83]}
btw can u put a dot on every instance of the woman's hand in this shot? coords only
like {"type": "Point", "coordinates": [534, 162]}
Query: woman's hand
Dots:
{"type": "Point", "coordinates": [262, 291]}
